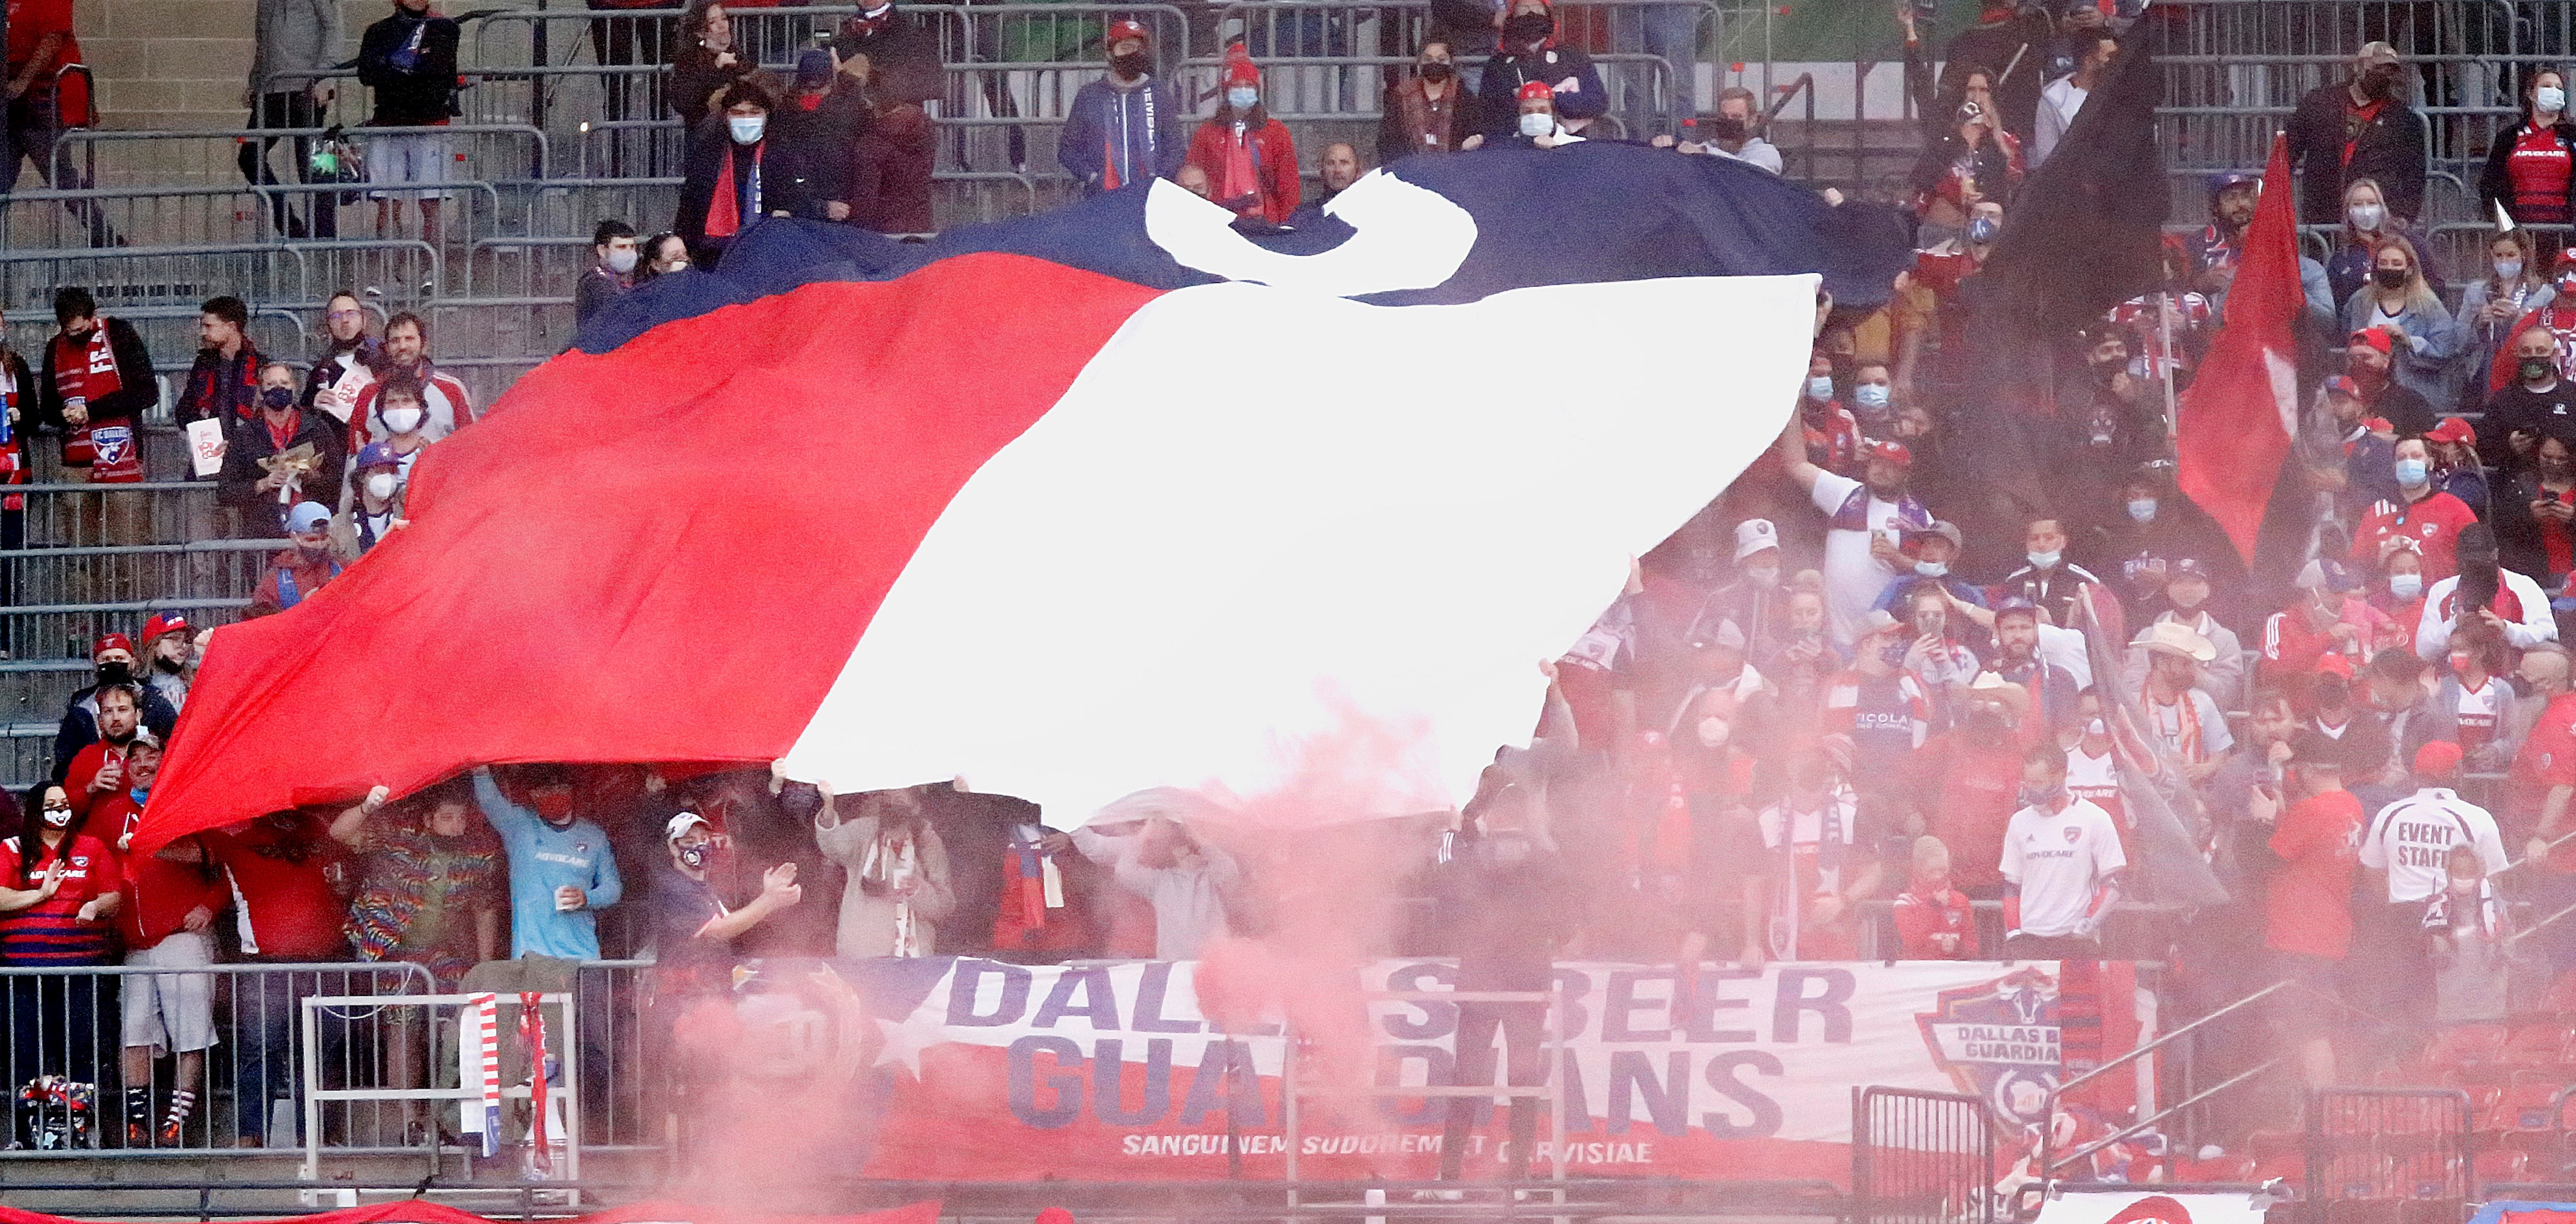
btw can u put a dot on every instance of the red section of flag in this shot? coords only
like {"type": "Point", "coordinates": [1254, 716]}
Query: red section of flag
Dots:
{"type": "Point", "coordinates": [423, 1211]}
{"type": "Point", "coordinates": [2233, 439]}
{"type": "Point", "coordinates": [666, 552]}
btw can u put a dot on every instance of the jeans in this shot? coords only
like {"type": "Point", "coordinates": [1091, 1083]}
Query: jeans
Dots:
{"type": "Point", "coordinates": [268, 1019]}
{"type": "Point", "coordinates": [34, 128]}
{"type": "Point", "coordinates": [1671, 32]}
{"type": "Point", "coordinates": [1521, 1024]}
{"type": "Point", "coordinates": [292, 109]}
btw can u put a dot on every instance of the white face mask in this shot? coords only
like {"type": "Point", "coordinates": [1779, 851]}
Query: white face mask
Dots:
{"type": "Point", "coordinates": [1820, 387]}
{"type": "Point", "coordinates": [1537, 123]}
{"type": "Point", "coordinates": [2142, 509]}
{"type": "Point", "coordinates": [621, 261]}
{"type": "Point", "coordinates": [2406, 586]}
{"type": "Point", "coordinates": [402, 420]}
{"type": "Point", "coordinates": [1764, 575]}
{"type": "Point", "coordinates": [381, 486]}
{"type": "Point", "coordinates": [2044, 560]}
{"type": "Point", "coordinates": [746, 129]}
{"type": "Point", "coordinates": [2366, 216]}
{"type": "Point", "coordinates": [1242, 97]}
{"type": "Point", "coordinates": [2508, 269]}
{"type": "Point", "coordinates": [1932, 569]}
{"type": "Point", "coordinates": [1713, 732]}
{"type": "Point", "coordinates": [2550, 99]}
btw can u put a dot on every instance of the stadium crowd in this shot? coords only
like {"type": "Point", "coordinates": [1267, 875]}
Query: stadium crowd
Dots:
{"type": "Point", "coordinates": [1823, 722]}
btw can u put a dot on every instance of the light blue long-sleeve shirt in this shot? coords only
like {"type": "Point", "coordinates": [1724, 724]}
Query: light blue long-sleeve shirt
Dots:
{"type": "Point", "coordinates": [544, 858]}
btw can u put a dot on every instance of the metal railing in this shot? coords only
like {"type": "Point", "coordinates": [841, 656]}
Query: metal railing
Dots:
{"type": "Point", "coordinates": [112, 573]}
{"type": "Point", "coordinates": [393, 268]}
{"type": "Point", "coordinates": [1921, 1157]}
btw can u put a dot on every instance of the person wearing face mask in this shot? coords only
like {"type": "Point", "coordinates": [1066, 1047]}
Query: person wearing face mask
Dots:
{"type": "Point", "coordinates": [2322, 618]}
{"type": "Point", "coordinates": [2531, 166]}
{"type": "Point", "coordinates": [405, 421]}
{"type": "Point", "coordinates": [2399, 596]}
{"type": "Point", "coordinates": [304, 567]}
{"type": "Point", "coordinates": [561, 871]}
{"type": "Point", "coordinates": [1832, 433]}
{"type": "Point", "coordinates": [1248, 157]}
{"type": "Point", "coordinates": [2535, 524]}
{"type": "Point", "coordinates": [60, 890]}
{"type": "Point", "coordinates": [2358, 128]}
{"type": "Point", "coordinates": [724, 191]}
{"type": "Point", "coordinates": [693, 928]}
{"type": "Point", "coordinates": [2156, 529]}
{"type": "Point", "coordinates": [281, 456]}
{"type": "Point", "coordinates": [2373, 362]}
{"type": "Point", "coordinates": [2047, 578]}
{"type": "Point", "coordinates": [2420, 512]}
{"type": "Point", "coordinates": [2423, 340]}
{"type": "Point", "coordinates": [2062, 863]}
{"type": "Point", "coordinates": [1757, 600]}
{"type": "Point", "coordinates": [1124, 128]}
{"type": "Point", "coordinates": [2005, 33]}
{"type": "Point", "coordinates": [2505, 600]}
{"type": "Point", "coordinates": [117, 667]}
{"type": "Point", "coordinates": [1971, 162]}
{"type": "Point", "coordinates": [1872, 398]}
{"type": "Point", "coordinates": [2538, 401]}
{"type": "Point", "coordinates": [1961, 782]}
{"type": "Point", "coordinates": [1932, 551]}
{"type": "Point", "coordinates": [2514, 286]}
{"type": "Point", "coordinates": [1539, 128]}
{"type": "Point", "coordinates": [2359, 465]}
{"type": "Point", "coordinates": [1428, 110]}
{"type": "Point", "coordinates": [2315, 849]}
{"type": "Point", "coordinates": [371, 508]}
{"type": "Point", "coordinates": [94, 387]}
{"type": "Point", "coordinates": [901, 50]}
{"type": "Point", "coordinates": [664, 254]}
{"type": "Point", "coordinates": [1933, 920]}
{"type": "Point", "coordinates": [2367, 224]}
{"type": "Point", "coordinates": [613, 243]}
{"type": "Point", "coordinates": [2473, 704]}
{"type": "Point", "coordinates": [2187, 596]}
{"type": "Point", "coordinates": [405, 357]}
{"type": "Point", "coordinates": [1877, 703]}
{"type": "Point", "coordinates": [408, 62]}
{"type": "Point", "coordinates": [1528, 53]}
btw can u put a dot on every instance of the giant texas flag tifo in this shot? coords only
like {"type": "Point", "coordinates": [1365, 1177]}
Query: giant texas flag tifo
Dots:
{"type": "Point", "coordinates": [1110, 498]}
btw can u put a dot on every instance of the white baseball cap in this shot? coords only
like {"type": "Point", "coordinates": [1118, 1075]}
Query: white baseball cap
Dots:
{"type": "Point", "coordinates": [1754, 535]}
{"type": "Point", "coordinates": [683, 822]}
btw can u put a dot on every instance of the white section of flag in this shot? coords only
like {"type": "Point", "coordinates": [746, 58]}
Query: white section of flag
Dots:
{"type": "Point", "coordinates": [1253, 500]}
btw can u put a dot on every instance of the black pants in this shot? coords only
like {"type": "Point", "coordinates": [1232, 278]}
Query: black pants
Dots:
{"type": "Point", "coordinates": [1520, 1023]}
{"type": "Point", "coordinates": [30, 135]}
{"type": "Point", "coordinates": [318, 214]}
{"type": "Point", "coordinates": [621, 42]}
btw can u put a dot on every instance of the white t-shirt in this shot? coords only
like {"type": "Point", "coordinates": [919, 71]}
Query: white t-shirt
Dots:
{"type": "Point", "coordinates": [2194, 736]}
{"type": "Point", "coordinates": [1853, 578]}
{"type": "Point", "coordinates": [2411, 840]}
{"type": "Point", "coordinates": [1809, 876]}
{"type": "Point", "coordinates": [2058, 860]}
{"type": "Point", "coordinates": [2095, 780]}
{"type": "Point", "coordinates": [2481, 712]}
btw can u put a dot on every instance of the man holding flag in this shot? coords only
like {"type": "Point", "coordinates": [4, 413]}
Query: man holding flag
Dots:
{"type": "Point", "coordinates": [2236, 421]}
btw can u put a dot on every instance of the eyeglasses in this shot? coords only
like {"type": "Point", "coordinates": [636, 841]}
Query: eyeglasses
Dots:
{"type": "Point", "coordinates": [347, 314]}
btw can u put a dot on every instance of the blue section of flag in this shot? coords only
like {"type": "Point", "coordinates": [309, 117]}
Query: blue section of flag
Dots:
{"type": "Point", "coordinates": [1598, 211]}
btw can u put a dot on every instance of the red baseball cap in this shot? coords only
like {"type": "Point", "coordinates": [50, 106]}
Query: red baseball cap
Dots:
{"type": "Point", "coordinates": [2372, 337]}
{"type": "Point", "coordinates": [162, 623]}
{"type": "Point", "coordinates": [1126, 28]}
{"type": "Point", "coordinates": [112, 641]}
{"type": "Point", "coordinates": [2452, 429]}
{"type": "Point", "coordinates": [2437, 759]}
{"type": "Point", "coordinates": [1536, 89]}
{"type": "Point", "coordinates": [1893, 452]}
{"type": "Point", "coordinates": [2334, 663]}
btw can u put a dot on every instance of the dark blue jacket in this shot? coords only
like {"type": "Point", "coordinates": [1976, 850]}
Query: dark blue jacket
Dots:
{"type": "Point", "coordinates": [1138, 132]}
{"type": "Point", "coordinates": [1498, 96]}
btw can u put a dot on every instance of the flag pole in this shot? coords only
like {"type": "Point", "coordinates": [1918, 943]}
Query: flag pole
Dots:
{"type": "Point", "coordinates": [2165, 361]}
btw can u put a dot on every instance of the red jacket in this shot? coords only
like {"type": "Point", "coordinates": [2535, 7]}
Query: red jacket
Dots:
{"type": "Point", "coordinates": [1274, 164]}
{"type": "Point", "coordinates": [1921, 917]}
{"type": "Point", "coordinates": [83, 769]}
{"type": "Point", "coordinates": [290, 580]}
{"type": "Point", "coordinates": [2433, 522]}
{"type": "Point", "coordinates": [158, 893]}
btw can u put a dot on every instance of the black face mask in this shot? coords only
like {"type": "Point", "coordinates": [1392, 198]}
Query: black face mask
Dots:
{"type": "Point", "coordinates": [1437, 70]}
{"type": "Point", "coordinates": [2108, 368]}
{"type": "Point", "coordinates": [1133, 63]}
{"type": "Point", "coordinates": [170, 665]}
{"type": "Point", "coordinates": [114, 672]}
{"type": "Point", "coordinates": [2379, 84]}
{"type": "Point", "coordinates": [1727, 128]}
{"type": "Point", "coordinates": [2536, 369]}
{"type": "Point", "coordinates": [2388, 278]}
{"type": "Point", "coordinates": [1524, 28]}
{"type": "Point", "coordinates": [276, 398]}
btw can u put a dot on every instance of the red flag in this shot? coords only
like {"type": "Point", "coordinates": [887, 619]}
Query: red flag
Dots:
{"type": "Point", "coordinates": [2236, 421]}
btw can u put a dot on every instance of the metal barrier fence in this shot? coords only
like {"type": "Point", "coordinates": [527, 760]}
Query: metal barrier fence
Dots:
{"type": "Point", "coordinates": [2378, 1144]}
{"type": "Point", "coordinates": [210, 569]}
{"type": "Point", "coordinates": [1921, 1158]}
{"type": "Point", "coordinates": [363, 1034]}
{"type": "Point", "coordinates": [240, 213]}
{"type": "Point", "coordinates": [67, 1024]}
{"type": "Point", "coordinates": [387, 269]}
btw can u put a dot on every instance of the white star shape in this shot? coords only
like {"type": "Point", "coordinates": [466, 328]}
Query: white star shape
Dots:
{"type": "Point", "coordinates": [904, 1040]}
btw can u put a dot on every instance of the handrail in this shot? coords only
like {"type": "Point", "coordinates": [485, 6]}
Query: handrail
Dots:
{"type": "Point", "coordinates": [1806, 82]}
{"type": "Point", "coordinates": [90, 138]}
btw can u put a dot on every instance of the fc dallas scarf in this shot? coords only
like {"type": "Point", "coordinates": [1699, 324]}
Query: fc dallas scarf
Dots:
{"type": "Point", "coordinates": [725, 212]}
{"type": "Point", "coordinates": [86, 371]}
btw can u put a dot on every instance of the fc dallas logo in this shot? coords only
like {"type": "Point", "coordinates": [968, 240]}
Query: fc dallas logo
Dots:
{"type": "Point", "coordinates": [1999, 1042]}
{"type": "Point", "coordinates": [2153, 1209]}
{"type": "Point", "coordinates": [2072, 833]}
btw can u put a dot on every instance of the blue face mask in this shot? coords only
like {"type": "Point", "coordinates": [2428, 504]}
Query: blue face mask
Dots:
{"type": "Point", "coordinates": [1982, 230]}
{"type": "Point", "coordinates": [1820, 387]}
{"type": "Point", "coordinates": [1872, 396]}
{"type": "Point", "coordinates": [2044, 560]}
{"type": "Point", "coordinates": [2142, 509]}
{"type": "Point", "coordinates": [2412, 473]}
{"type": "Point", "coordinates": [142, 795]}
{"type": "Point", "coordinates": [1241, 98]}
